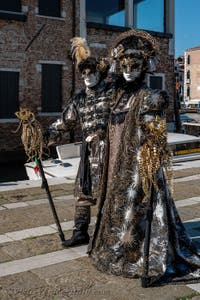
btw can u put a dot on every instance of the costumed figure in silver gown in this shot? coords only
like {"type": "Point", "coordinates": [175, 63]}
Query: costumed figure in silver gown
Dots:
{"type": "Point", "coordinates": [90, 108]}
{"type": "Point", "coordinates": [139, 232]}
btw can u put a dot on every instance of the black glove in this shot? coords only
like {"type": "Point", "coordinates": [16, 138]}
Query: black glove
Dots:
{"type": "Point", "coordinates": [52, 136]}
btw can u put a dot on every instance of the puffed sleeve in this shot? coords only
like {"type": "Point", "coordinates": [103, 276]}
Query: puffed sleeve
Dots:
{"type": "Point", "coordinates": [66, 122]}
{"type": "Point", "coordinates": [156, 103]}
{"type": "Point", "coordinates": [68, 118]}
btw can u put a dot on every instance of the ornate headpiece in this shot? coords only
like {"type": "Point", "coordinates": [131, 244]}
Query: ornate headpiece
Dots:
{"type": "Point", "coordinates": [81, 55]}
{"type": "Point", "coordinates": [135, 41]}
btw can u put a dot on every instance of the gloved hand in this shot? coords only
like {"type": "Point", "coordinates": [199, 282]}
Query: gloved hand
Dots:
{"type": "Point", "coordinates": [52, 136]}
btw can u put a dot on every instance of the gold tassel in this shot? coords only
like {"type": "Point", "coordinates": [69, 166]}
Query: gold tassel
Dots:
{"type": "Point", "coordinates": [155, 153]}
{"type": "Point", "coordinates": [31, 137]}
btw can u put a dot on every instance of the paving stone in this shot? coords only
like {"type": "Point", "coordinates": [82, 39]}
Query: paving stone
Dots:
{"type": "Point", "coordinates": [39, 261]}
{"type": "Point", "coordinates": [65, 225]}
{"type": "Point", "coordinates": [32, 247]}
{"type": "Point", "coordinates": [65, 197]}
{"type": "Point", "coordinates": [22, 287]}
{"type": "Point", "coordinates": [186, 202]}
{"type": "Point", "coordinates": [195, 287]}
{"type": "Point", "coordinates": [4, 239]}
{"type": "Point", "coordinates": [188, 178]}
{"type": "Point", "coordinates": [15, 205]}
{"type": "Point", "coordinates": [34, 216]}
{"type": "Point", "coordinates": [189, 212]}
{"type": "Point", "coordinates": [4, 256]}
{"type": "Point", "coordinates": [37, 202]}
{"type": "Point", "coordinates": [18, 185]}
{"type": "Point", "coordinates": [32, 232]}
{"type": "Point", "coordinates": [186, 172]}
{"type": "Point", "coordinates": [184, 190]}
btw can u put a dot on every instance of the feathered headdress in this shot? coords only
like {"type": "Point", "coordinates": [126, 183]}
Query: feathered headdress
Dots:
{"type": "Point", "coordinates": [79, 49]}
{"type": "Point", "coordinates": [81, 55]}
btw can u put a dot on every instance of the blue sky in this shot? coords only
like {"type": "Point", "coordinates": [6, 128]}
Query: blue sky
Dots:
{"type": "Point", "coordinates": [187, 25]}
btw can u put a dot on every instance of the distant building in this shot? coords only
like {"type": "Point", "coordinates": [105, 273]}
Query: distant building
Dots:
{"type": "Point", "coordinates": [192, 77]}
{"type": "Point", "coordinates": [35, 66]}
{"type": "Point", "coordinates": [179, 80]}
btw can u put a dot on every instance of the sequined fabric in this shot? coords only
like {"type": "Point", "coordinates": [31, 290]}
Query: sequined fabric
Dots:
{"type": "Point", "coordinates": [119, 240]}
{"type": "Point", "coordinates": [91, 108]}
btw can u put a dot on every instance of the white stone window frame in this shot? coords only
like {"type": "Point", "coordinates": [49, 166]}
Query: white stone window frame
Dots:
{"type": "Point", "coordinates": [11, 120]}
{"type": "Point", "coordinates": [39, 70]}
{"type": "Point", "coordinates": [162, 75]}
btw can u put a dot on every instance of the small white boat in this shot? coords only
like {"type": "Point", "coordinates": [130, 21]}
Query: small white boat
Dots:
{"type": "Point", "coordinates": [66, 165]}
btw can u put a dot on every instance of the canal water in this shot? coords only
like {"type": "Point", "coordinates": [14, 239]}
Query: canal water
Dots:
{"type": "Point", "coordinates": [12, 172]}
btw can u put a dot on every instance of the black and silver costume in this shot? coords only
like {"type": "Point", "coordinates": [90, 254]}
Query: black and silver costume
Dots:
{"type": "Point", "coordinates": [90, 108]}
{"type": "Point", "coordinates": [139, 231]}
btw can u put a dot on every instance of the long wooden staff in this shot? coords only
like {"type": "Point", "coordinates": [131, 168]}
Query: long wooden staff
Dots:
{"type": "Point", "coordinates": [32, 140]}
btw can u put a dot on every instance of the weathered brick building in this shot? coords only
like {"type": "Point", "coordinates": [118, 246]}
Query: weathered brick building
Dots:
{"type": "Point", "coordinates": [35, 66]}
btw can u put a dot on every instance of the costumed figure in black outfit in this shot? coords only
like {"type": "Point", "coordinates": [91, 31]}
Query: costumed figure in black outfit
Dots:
{"type": "Point", "coordinates": [139, 232]}
{"type": "Point", "coordinates": [90, 108]}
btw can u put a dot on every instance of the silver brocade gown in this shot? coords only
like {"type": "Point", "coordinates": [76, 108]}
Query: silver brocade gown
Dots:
{"type": "Point", "coordinates": [118, 243]}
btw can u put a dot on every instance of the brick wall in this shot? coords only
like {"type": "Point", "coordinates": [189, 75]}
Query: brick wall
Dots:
{"type": "Point", "coordinates": [53, 44]}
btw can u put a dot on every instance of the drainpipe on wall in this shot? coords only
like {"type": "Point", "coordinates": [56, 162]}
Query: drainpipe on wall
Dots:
{"type": "Point", "coordinates": [71, 132]}
{"type": "Point", "coordinates": [73, 35]}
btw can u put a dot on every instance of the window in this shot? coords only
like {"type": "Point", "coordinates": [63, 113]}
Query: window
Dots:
{"type": "Point", "coordinates": [10, 5]}
{"type": "Point", "coordinates": [110, 12]}
{"type": "Point", "coordinates": [188, 92]}
{"type": "Point", "coordinates": [141, 14]}
{"type": "Point", "coordinates": [49, 8]}
{"type": "Point", "coordinates": [188, 74]}
{"type": "Point", "coordinates": [156, 81]}
{"type": "Point", "coordinates": [148, 15]}
{"type": "Point", "coordinates": [51, 88]}
{"type": "Point", "coordinates": [9, 93]}
{"type": "Point", "coordinates": [188, 59]}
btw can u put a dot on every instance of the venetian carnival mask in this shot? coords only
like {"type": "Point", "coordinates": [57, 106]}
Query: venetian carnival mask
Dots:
{"type": "Point", "coordinates": [90, 77]}
{"type": "Point", "coordinates": [131, 66]}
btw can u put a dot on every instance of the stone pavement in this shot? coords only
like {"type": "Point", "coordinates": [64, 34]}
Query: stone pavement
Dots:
{"type": "Point", "coordinates": [33, 264]}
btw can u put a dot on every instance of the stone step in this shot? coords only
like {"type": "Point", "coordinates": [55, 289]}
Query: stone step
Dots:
{"type": "Point", "coordinates": [40, 261]}
{"type": "Point", "coordinates": [30, 216]}
{"type": "Point", "coordinates": [37, 231]}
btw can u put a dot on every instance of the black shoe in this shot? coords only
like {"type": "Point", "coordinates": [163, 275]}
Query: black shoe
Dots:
{"type": "Point", "coordinates": [77, 239]}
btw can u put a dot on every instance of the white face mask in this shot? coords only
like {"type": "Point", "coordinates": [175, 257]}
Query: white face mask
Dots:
{"type": "Point", "coordinates": [91, 79]}
{"type": "Point", "coordinates": [131, 76]}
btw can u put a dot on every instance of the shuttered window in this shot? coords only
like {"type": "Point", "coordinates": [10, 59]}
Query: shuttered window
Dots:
{"type": "Point", "coordinates": [49, 8]}
{"type": "Point", "coordinates": [10, 5]}
{"type": "Point", "coordinates": [9, 94]}
{"type": "Point", "coordinates": [51, 88]}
